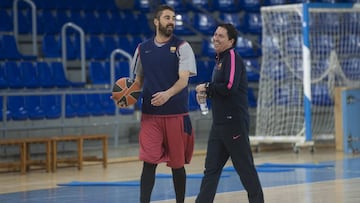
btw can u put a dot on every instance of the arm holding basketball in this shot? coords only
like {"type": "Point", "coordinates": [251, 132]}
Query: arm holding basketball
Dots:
{"type": "Point", "coordinates": [161, 98]}
{"type": "Point", "coordinates": [139, 80]}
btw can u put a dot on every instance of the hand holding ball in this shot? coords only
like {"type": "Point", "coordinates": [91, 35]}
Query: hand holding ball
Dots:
{"type": "Point", "coordinates": [125, 92]}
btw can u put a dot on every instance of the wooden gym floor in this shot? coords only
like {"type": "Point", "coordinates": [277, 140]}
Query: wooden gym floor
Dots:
{"type": "Point", "coordinates": [324, 176]}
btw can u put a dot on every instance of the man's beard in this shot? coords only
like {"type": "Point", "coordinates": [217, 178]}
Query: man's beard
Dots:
{"type": "Point", "coordinates": [166, 30]}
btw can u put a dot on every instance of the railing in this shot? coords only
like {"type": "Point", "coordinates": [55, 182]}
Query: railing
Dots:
{"type": "Point", "coordinates": [33, 22]}
{"type": "Point", "coordinates": [82, 48]}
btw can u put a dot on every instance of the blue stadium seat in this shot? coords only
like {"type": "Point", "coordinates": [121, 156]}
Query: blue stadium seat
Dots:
{"type": "Point", "coordinates": [322, 44]}
{"type": "Point", "coordinates": [29, 74]}
{"type": "Point", "coordinates": [199, 5]}
{"type": "Point", "coordinates": [350, 67]}
{"type": "Point", "coordinates": [9, 50]}
{"type": "Point", "coordinates": [3, 77]}
{"type": "Point", "coordinates": [251, 98]}
{"type": "Point", "coordinates": [107, 104]}
{"type": "Point", "coordinates": [104, 23]}
{"type": "Point", "coordinates": [1, 109]}
{"type": "Point", "coordinates": [72, 51]}
{"type": "Point", "coordinates": [250, 5]}
{"type": "Point", "coordinates": [94, 48]}
{"type": "Point", "coordinates": [326, 21]}
{"type": "Point", "coordinates": [93, 103]}
{"type": "Point", "coordinates": [179, 6]}
{"type": "Point", "coordinates": [24, 21]}
{"type": "Point", "coordinates": [110, 44]}
{"type": "Point", "coordinates": [320, 95]}
{"type": "Point", "coordinates": [33, 105]}
{"type": "Point", "coordinates": [51, 46]}
{"type": "Point", "coordinates": [274, 2]}
{"type": "Point", "coordinates": [76, 106]}
{"type": "Point", "coordinates": [62, 17]}
{"type": "Point", "coordinates": [143, 5]}
{"type": "Point", "coordinates": [271, 44]}
{"type": "Point", "coordinates": [282, 96]}
{"type": "Point", "coordinates": [97, 73]}
{"type": "Point", "coordinates": [134, 42]}
{"type": "Point", "coordinates": [92, 24]}
{"type": "Point", "coordinates": [252, 69]}
{"type": "Point", "coordinates": [226, 5]}
{"type": "Point", "coordinates": [124, 43]}
{"type": "Point", "coordinates": [44, 75]}
{"type": "Point", "coordinates": [6, 17]}
{"type": "Point", "coordinates": [130, 24]}
{"type": "Point", "coordinates": [252, 23]}
{"type": "Point", "coordinates": [77, 17]}
{"type": "Point", "coordinates": [233, 18]}
{"type": "Point", "coordinates": [274, 70]}
{"type": "Point", "coordinates": [60, 78]}
{"type": "Point", "coordinates": [246, 48]}
{"type": "Point", "coordinates": [51, 105]}
{"type": "Point", "coordinates": [298, 1]}
{"type": "Point", "coordinates": [122, 69]}
{"type": "Point", "coordinates": [350, 44]}
{"type": "Point", "coordinates": [43, 27]}
{"type": "Point", "coordinates": [352, 18]}
{"type": "Point", "coordinates": [207, 48]}
{"type": "Point", "coordinates": [16, 108]}
{"type": "Point", "coordinates": [14, 77]}
{"type": "Point", "coordinates": [293, 44]}
{"type": "Point", "coordinates": [143, 25]}
{"type": "Point", "coordinates": [70, 110]}
{"type": "Point", "coordinates": [6, 4]}
{"type": "Point", "coordinates": [206, 24]}
{"type": "Point", "coordinates": [182, 21]}
{"type": "Point", "coordinates": [115, 23]}
{"type": "Point", "coordinates": [204, 72]}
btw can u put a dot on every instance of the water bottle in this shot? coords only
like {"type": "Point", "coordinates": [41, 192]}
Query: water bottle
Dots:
{"type": "Point", "coordinates": [203, 105]}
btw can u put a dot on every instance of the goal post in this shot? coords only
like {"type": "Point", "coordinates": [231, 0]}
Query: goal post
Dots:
{"type": "Point", "coordinates": [307, 50]}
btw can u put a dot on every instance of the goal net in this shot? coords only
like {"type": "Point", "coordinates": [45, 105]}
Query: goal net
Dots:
{"type": "Point", "coordinates": [307, 51]}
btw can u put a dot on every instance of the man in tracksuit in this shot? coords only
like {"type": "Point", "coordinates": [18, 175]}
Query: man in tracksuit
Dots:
{"type": "Point", "coordinates": [230, 127]}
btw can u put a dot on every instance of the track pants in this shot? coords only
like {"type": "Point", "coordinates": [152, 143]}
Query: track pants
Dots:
{"type": "Point", "coordinates": [229, 141]}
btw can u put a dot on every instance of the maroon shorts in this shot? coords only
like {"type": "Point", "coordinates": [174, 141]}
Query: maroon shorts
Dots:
{"type": "Point", "coordinates": [167, 139]}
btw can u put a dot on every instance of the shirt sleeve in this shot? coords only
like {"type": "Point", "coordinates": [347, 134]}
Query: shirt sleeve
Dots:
{"type": "Point", "coordinates": [136, 65]}
{"type": "Point", "coordinates": [187, 59]}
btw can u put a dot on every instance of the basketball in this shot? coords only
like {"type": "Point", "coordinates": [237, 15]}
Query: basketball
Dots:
{"type": "Point", "coordinates": [126, 91]}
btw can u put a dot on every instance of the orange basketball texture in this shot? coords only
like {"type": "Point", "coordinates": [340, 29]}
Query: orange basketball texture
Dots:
{"type": "Point", "coordinates": [126, 90]}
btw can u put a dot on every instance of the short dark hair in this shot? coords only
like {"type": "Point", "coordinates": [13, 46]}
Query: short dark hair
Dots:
{"type": "Point", "coordinates": [231, 31]}
{"type": "Point", "coordinates": [160, 9]}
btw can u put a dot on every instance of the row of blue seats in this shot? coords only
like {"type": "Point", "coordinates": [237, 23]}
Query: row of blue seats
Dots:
{"type": "Point", "coordinates": [96, 46]}
{"type": "Point", "coordinates": [100, 47]}
{"type": "Point", "coordinates": [37, 107]}
{"type": "Point", "coordinates": [9, 50]}
{"type": "Point", "coordinates": [282, 71]}
{"type": "Point", "coordinates": [27, 74]}
{"type": "Point", "coordinates": [320, 44]}
{"type": "Point", "coordinates": [247, 23]}
{"type": "Point", "coordinates": [292, 96]}
{"type": "Point", "coordinates": [126, 22]}
{"type": "Point", "coordinates": [148, 5]}
{"type": "Point", "coordinates": [92, 22]}
{"type": "Point", "coordinates": [99, 72]}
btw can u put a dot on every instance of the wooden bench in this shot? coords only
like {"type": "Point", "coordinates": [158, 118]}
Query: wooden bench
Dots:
{"type": "Point", "coordinates": [52, 160]}
{"type": "Point", "coordinates": [29, 162]}
{"type": "Point", "coordinates": [16, 164]}
{"type": "Point", "coordinates": [25, 156]}
{"type": "Point", "coordinates": [79, 159]}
